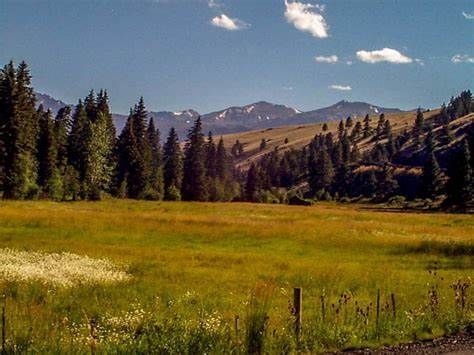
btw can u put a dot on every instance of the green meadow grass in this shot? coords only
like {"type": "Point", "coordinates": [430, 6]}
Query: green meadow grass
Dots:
{"type": "Point", "coordinates": [195, 266]}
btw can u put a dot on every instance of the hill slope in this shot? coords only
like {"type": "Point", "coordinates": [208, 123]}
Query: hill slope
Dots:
{"type": "Point", "coordinates": [300, 135]}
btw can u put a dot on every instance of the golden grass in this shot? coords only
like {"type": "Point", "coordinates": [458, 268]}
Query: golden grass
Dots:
{"type": "Point", "coordinates": [221, 251]}
{"type": "Point", "coordinates": [235, 245]}
{"type": "Point", "coordinates": [300, 135]}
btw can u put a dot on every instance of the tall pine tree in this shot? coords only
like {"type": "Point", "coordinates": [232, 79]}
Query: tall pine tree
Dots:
{"type": "Point", "coordinates": [460, 186]}
{"type": "Point", "coordinates": [194, 178]}
{"type": "Point", "coordinates": [48, 175]}
{"type": "Point", "coordinates": [431, 178]}
{"type": "Point", "coordinates": [156, 175]}
{"type": "Point", "coordinates": [173, 167]}
{"type": "Point", "coordinates": [98, 168]}
{"type": "Point", "coordinates": [18, 132]}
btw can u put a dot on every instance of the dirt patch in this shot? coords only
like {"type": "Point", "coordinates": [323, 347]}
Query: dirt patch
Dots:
{"type": "Point", "coordinates": [459, 344]}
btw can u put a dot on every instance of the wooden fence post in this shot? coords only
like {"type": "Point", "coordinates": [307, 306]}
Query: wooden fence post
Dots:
{"type": "Point", "coordinates": [394, 309]}
{"type": "Point", "coordinates": [298, 307]}
{"type": "Point", "coordinates": [237, 327]}
{"type": "Point", "coordinates": [323, 308]}
{"type": "Point", "coordinates": [377, 319]}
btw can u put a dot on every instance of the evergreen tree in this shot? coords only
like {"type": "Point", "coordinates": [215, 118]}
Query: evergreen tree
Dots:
{"type": "Point", "coordinates": [213, 184]}
{"type": "Point", "coordinates": [225, 187]}
{"type": "Point", "coordinates": [390, 147]}
{"type": "Point", "coordinates": [194, 178]}
{"type": "Point", "coordinates": [222, 168]}
{"type": "Point", "coordinates": [156, 176]}
{"type": "Point", "coordinates": [342, 179]}
{"type": "Point", "coordinates": [356, 131]}
{"type": "Point", "coordinates": [349, 122]}
{"type": "Point", "coordinates": [252, 186]}
{"type": "Point", "coordinates": [431, 177]}
{"type": "Point", "coordinates": [386, 183]}
{"type": "Point", "coordinates": [340, 130]}
{"type": "Point", "coordinates": [90, 106]}
{"type": "Point", "coordinates": [237, 149]}
{"type": "Point", "coordinates": [325, 127]}
{"type": "Point", "coordinates": [337, 154]}
{"type": "Point", "coordinates": [104, 108]}
{"type": "Point", "coordinates": [443, 115]}
{"type": "Point", "coordinates": [321, 172]}
{"type": "Point", "coordinates": [418, 127]}
{"type": "Point", "coordinates": [8, 129]}
{"type": "Point", "coordinates": [429, 140]}
{"type": "Point", "coordinates": [98, 169]}
{"type": "Point", "coordinates": [460, 186]}
{"type": "Point", "coordinates": [367, 131]}
{"type": "Point", "coordinates": [47, 155]}
{"type": "Point", "coordinates": [140, 172]}
{"type": "Point", "coordinates": [285, 176]}
{"type": "Point", "coordinates": [387, 128]}
{"type": "Point", "coordinates": [380, 125]}
{"type": "Point", "coordinates": [355, 153]}
{"type": "Point", "coordinates": [18, 132]}
{"type": "Point", "coordinates": [134, 156]}
{"type": "Point", "coordinates": [379, 154]}
{"type": "Point", "coordinates": [346, 148]}
{"type": "Point", "coordinates": [77, 140]}
{"type": "Point", "coordinates": [370, 184]}
{"type": "Point", "coordinates": [263, 144]}
{"type": "Point", "coordinates": [446, 134]}
{"type": "Point", "coordinates": [173, 167]}
{"type": "Point", "coordinates": [210, 149]}
{"type": "Point", "coordinates": [328, 142]}
{"type": "Point", "coordinates": [62, 126]}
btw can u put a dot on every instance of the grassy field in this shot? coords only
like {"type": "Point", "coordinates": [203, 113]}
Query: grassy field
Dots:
{"type": "Point", "coordinates": [192, 267]}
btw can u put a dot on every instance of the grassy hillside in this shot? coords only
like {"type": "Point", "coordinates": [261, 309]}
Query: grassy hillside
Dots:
{"type": "Point", "coordinates": [300, 135]}
{"type": "Point", "coordinates": [191, 267]}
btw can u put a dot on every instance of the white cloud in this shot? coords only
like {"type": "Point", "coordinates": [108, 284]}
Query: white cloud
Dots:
{"type": "Point", "coordinates": [383, 55]}
{"type": "Point", "coordinates": [420, 61]}
{"type": "Point", "coordinates": [214, 4]}
{"type": "Point", "coordinates": [349, 62]}
{"type": "Point", "coordinates": [230, 24]}
{"type": "Point", "coordinates": [462, 58]}
{"type": "Point", "coordinates": [303, 17]}
{"type": "Point", "coordinates": [468, 16]}
{"type": "Point", "coordinates": [340, 87]}
{"type": "Point", "coordinates": [331, 59]}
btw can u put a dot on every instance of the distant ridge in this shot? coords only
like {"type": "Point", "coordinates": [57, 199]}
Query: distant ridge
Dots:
{"type": "Point", "coordinates": [234, 119]}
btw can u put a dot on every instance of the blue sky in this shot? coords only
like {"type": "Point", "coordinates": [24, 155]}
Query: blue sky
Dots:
{"type": "Point", "coordinates": [208, 55]}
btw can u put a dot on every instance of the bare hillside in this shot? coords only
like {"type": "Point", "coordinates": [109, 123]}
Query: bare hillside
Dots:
{"type": "Point", "coordinates": [298, 136]}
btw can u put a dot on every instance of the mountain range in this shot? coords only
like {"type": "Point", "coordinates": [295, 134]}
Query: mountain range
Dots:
{"type": "Point", "coordinates": [241, 118]}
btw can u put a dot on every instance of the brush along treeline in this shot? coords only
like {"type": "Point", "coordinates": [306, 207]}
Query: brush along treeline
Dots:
{"type": "Point", "coordinates": [77, 155]}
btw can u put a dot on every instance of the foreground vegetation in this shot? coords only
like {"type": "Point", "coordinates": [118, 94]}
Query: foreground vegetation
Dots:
{"type": "Point", "coordinates": [190, 268]}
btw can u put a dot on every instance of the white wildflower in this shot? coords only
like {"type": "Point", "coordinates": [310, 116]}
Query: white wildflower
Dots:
{"type": "Point", "coordinates": [62, 269]}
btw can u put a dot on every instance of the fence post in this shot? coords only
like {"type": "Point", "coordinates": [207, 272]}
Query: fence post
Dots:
{"type": "Point", "coordinates": [298, 307]}
{"type": "Point", "coordinates": [378, 312]}
{"type": "Point", "coordinates": [394, 309]}
{"type": "Point", "coordinates": [237, 327]}
{"type": "Point", "coordinates": [323, 308]}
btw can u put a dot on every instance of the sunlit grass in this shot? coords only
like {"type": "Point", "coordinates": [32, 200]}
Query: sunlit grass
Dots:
{"type": "Point", "coordinates": [219, 253]}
